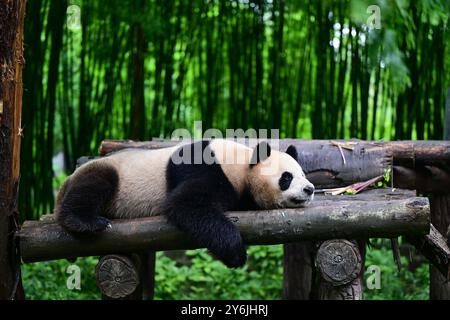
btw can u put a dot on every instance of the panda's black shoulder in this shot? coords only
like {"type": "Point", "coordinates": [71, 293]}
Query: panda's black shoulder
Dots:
{"type": "Point", "coordinates": [206, 176]}
{"type": "Point", "coordinates": [193, 165]}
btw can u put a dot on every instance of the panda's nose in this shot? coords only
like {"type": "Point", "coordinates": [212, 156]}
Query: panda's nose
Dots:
{"type": "Point", "coordinates": [309, 190]}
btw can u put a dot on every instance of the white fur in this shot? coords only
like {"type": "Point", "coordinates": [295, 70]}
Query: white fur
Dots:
{"type": "Point", "coordinates": [142, 181]}
{"type": "Point", "coordinates": [264, 182]}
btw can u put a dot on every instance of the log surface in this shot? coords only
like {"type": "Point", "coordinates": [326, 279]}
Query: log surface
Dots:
{"type": "Point", "coordinates": [324, 219]}
{"type": "Point", "coordinates": [339, 264]}
{"type": "Point", "coordinates": [418, 165]}
{"type": "Point", "coordinates": [117, 276]}
{"type": "Point", "coordinates": [324, 163]}
{"type": "Point", "coordinates": [339, 261]}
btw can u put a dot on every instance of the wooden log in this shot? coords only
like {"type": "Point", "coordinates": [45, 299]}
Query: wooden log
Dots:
{"type": "Point", "coordinates": [424, 179]}
{"type": "Point", "coordinates": [12, 14]}
{"type": "Point", "coordinates": [322, 220]}
{"type": "Point", "coordinates": [435, 248]}
{"type": "Point", "coordinates": [338, 261]}
{"type": "Point", "coordinates": [403, 152]}
{"type": "Point", "coordinates": [339, 264]}
{"type": "Point", "coordinates": [298, 257]}
{"type": "Point", "coordinates": [322, 161]}
{"type": "Point", "coordinates": [419, 165]}
{"type": "Point", "coordinates": [117, 276]}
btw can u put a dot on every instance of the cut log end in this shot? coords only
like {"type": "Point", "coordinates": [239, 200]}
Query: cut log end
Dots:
{"type": "Point", "coordinates": [339, 261]}
{"type": "Point", "coordinates": [117, 276]}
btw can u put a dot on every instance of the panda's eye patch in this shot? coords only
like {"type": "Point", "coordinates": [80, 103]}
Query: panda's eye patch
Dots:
{"type": "Point", "coordinates": [285, 181]}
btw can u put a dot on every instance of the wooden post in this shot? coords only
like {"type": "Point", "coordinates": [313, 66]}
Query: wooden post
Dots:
{"type": "Point", "coordinates": [298, 270]}
{"type": "Point", "coordinates": [118, 277]}
{"type": "Point", "coordinates": [148, 275]}
{"type": "Point", "coordinates": [447, 116]}
{"type": "Point", "coordinates": [11, 63]}
{"type": "Point", "coordinates": [440, 217]}
{"type": "Point", "coordinates": [123, 277]}
{"type": "Point", "coordinates": [339, 266]}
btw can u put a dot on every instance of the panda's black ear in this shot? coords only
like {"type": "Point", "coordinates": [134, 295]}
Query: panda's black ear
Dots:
{"type": "Point", "coordinates": [292, 151]}
{"type": "Point", "coordinates": [261, 152]}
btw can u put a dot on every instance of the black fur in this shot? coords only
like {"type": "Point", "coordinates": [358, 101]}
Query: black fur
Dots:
{"type": "Point", "coordinates": [87, 198]}
{"type": "Point", "coordinates": [285, 181]}
{"type": "Point", "coordinates": [262, 152]}
{"type": "Point", "coordinates": [199, 194]}
{"type": "Point", "coordinates": [292, 151]}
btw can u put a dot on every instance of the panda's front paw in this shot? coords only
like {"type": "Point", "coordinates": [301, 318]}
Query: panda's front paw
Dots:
{"type": "Point", "coordinates": [92, 224]}
{"type": "Point", "coordinates": [233, 253]}
{"type": "Point", "coordinates": [237, 258]}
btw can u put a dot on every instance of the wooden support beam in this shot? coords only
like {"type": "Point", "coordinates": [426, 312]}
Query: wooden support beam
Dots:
{"type": "Point", "coordinates": [434, 247]}
{"type": "Point", "coordinates": [327, 219]}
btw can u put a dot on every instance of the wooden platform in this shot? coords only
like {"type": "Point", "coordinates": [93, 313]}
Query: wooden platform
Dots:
{"type": "Point", "coordinates": [383, 213]}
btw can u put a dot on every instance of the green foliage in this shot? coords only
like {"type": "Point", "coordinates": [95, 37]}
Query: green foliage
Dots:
{"type": "Point", "coordinates": [396, 285]}
{"type": "Point", "coordinates": [208, 278]}
{"type": "Point", "coordinates": [140, 69]}
{"type": "Point", "coordinates": [47, 280]}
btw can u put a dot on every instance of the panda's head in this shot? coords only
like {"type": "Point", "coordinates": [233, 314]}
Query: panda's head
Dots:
{"type": "Point", "coordinates": [276, 180]}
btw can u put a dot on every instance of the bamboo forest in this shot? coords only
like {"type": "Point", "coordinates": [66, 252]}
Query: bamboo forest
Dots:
{"type": "Point", "coordinates": [140, 69]}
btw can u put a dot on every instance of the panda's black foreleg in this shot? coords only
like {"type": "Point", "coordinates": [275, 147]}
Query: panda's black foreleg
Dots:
{"type": "Point", "coordinates": [199, 213]}
{"type": "Point", "coordinates": [86, 198]}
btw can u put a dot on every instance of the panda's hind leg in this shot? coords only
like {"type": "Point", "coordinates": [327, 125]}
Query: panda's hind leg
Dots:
{"type": "Point", "coordinates": [86, 198]}
{"type": "Point", "coordinates": [199, 212]}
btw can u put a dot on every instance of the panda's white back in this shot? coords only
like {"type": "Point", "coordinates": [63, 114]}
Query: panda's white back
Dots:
{"type": "Point", "coordinates": [142, 181]}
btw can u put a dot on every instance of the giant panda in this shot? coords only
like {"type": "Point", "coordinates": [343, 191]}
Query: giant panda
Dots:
{"type": "Point", "coordinates": [192, 194]}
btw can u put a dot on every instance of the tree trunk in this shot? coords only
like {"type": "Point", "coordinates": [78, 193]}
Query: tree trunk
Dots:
{"type": "Point", "coordinates": [11, 63]}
